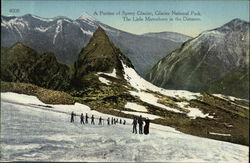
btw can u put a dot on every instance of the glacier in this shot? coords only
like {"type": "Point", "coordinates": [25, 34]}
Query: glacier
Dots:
{"type": "Point", "coordinates": [34, 131]}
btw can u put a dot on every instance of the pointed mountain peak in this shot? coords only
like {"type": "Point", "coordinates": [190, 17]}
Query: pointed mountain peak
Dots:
{"type": "Point", "coordinates": [100, 55]}
{"type": "Point", "coordinates": [85, 16]}
{"type": "Point", "coordinates": [235, 24]}
{"type": "Point", "coordinates": [100, 34]}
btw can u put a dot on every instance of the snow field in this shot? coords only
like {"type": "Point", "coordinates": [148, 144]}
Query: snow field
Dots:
{"type": "Point", "coordinates": [142, 85]}
{"type": "Point", "coordinates": [32, 131]}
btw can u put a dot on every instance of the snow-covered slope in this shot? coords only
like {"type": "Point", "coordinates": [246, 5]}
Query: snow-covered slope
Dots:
{"type": "Point", "coordinates": [142, 87]}
{"type": "Point", "coordinates": [34, 131]}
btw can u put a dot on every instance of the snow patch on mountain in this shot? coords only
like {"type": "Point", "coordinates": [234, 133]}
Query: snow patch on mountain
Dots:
{"type": "Point", "coordinates": [151, 99]}
{"type": "Point", "coordinates": [87, 32]}
{"type": "Point", "coordinates": [142, 85]}
{"type": "Point", "coordinates": [145, 115]}
{"type": "Point", "coordinates": [41, 29]}
{"type": "Point", "coordinates": [220, 134]}
{"type": "Point", "coordinates": [103, 80]}
{"type": "Point", "coordinates": [112, 74]}
{"type": "Point", "coordinates": [16, 23]}
{"type": "Point", "coordinates": [86, 16]}
{"type": "Point", "coordinates": [195, 112]}
{"type": "Point", "coordinates": [58, 30]}
{"type": "Point", "coordinates": [20, 34]}
{"type": "Point", "coordinates": [135, 106]}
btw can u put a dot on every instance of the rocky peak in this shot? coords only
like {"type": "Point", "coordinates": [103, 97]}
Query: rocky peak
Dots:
{"type": "Point", "coordinates": [85, 16]}
{"type": "Point", "coordinates": [100, 37]}
{"type": "Point", "coordinates": [234, 25]}
{"type": "Point", "coordinates": [100, 55]}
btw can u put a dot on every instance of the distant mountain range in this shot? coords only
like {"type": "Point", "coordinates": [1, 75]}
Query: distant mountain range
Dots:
{"type": "Point", "coordinates": [176, 37]}
{"type": "Point", "coordinates": [66, 37]}
{"type": "Point", "coordinates": [217, 61]}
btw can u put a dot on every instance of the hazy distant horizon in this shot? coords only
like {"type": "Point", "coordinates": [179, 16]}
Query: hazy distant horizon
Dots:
{"type": "Point", "coordinates": [213, 14]}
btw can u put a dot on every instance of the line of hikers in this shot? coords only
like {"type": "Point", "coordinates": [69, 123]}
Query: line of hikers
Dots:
{"type": "Point", "coordinates": [137, 120]}
{"type": "Point", "coordinates": [101, 120]}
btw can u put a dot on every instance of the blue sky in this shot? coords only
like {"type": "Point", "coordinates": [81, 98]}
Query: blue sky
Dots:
{"type": "Point", "coordinates": [213, 13]}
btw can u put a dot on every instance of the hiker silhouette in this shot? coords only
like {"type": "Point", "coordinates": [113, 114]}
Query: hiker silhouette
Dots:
{"type": "Point", "coordinates": [82, 119]}
{"type": "Point", "coordinates": [72, 116]}
{"type": "Point", "coordinates": [112, 120]}
{"type": "Point", "coordinates": [86, 118]}
{"type": "Point", "coordinates": [100, 121]}
{"type": "Point", "coordinates": [92, 120]}
{"type": "Point", "coordinates": [146, 127]}
{"type": "Point", "coordinates": [108, 121]}
{"type": "Point", "coordinates": [135, 125]}
{"type": "Point", "coordinates": [140, 122]}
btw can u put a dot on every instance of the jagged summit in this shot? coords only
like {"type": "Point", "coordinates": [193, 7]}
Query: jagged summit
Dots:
{"type": "Point", "coordinates": [86, 16]}
{"type": "Point", "coordinates": [100, 36]}
{"type": "Point", "coordinates": [100, 55]}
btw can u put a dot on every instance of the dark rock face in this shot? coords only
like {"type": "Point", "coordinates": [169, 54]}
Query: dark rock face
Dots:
{"type": "Point", "coordinates": [100, 55]}
{"type": "Point", "coordinates": [208, 58]}
{"type": "Point", "coordinates": [66, 37]}
{"type": "Point", "coordinates": [20, 63]}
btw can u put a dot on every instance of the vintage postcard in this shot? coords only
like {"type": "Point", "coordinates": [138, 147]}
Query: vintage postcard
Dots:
{"type": "Point", "coordinates": [124, 81]}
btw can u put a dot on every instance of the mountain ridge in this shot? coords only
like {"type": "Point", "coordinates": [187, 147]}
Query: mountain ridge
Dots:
{"type": "Point", "coordinates": [65, 37]}
{"type": "Point", "coordinates": [204, 59]}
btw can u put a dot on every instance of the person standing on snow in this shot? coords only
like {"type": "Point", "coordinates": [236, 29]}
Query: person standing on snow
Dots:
{"type": "Point", "coordinates": [108, 121]}
{"type": "Point", "coordinates": [146, 127]}
{"type": "Point", "coordinates": [135, 125]}
{"type": "Point", "coordinates": [100, 121]}
{"type": "Point", "coordinates": [86, 118]}
{"type": "Point", "coordinates": [92, 120]}
{"type": "Point", "coordinates": [124, 122]}
{"type": "Point", "coordinates": [140, 122]}
{"type": "Point", "coordinates": [72, 116]}
{"type": "Point", "coordinates": [82, 118]}
{"type": "Point", "coordinates": [112, 120]}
